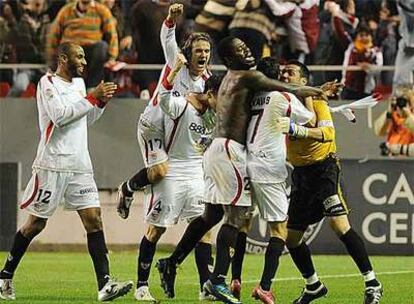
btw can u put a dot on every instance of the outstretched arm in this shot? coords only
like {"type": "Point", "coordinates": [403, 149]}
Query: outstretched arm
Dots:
{"type": "Point", "coordinates": [257, 81]}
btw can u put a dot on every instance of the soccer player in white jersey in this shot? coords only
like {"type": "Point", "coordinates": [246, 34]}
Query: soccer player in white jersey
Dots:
{"type": "Point", "coordinates": [62, 169]}
{"type": "Point", "coordinates": [191, 78]}
{"type": "Point", "coordinates": [179, 194]}
{"type": "Point", "coordinates": [266, 167]}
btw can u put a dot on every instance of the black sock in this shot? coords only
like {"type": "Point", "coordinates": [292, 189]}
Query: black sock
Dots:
{"type": "Point", "coordinates": [356, 248]}
{"type": "Point", "coordinates": [203, 259]}
{"type": "Point", "coordinates": [139, 180]}
{"type": "Point", "coordinates": [19, 248]}
{"type": "Point", "coordinates": [239, 251]}
{"type": "Point", "coordinates": [145, 257]}
{"type": "Point", "coordinates": [301, 256]}
{"type": "Point", "coordinates": [194, 232]}
{"type": "Point", "coordinates": [273, 252]}
{"type": "Point", "coordinates": [99, 254]}
{"type": "Point", "coordinates": [226, 239]}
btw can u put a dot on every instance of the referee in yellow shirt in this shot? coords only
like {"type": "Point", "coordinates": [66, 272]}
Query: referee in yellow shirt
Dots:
{"type": "Point", "coordinates": [317, 192]}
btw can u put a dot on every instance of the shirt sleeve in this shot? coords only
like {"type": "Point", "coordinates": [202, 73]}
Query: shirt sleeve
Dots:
{"type": "Point", "coordinates": [324, 120]}
{"type": "Point", "coordinates": [169, 42]}
{"type": "Point", "coordinates": [173, 106]}
{"type": "Point", "coordinates": [299, 114]}
{"type": "Point", "coordinates": [61, 114]}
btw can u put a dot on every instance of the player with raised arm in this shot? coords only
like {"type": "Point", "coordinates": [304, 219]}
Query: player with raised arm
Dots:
{"type": "Point", "coordinates": [317, 191]}
{"type": "Point", "coordinates": [62, 169]}
{"type": "Point", "coordinates": [225, 164]}
{"type": "Point", "coordinates": [179, 194]}
{"type": "Point", "coordinates": [191, 78]}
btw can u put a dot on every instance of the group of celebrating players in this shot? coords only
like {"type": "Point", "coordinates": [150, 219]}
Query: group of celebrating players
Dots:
{"type": "Point", "coordinates": [214, 147]}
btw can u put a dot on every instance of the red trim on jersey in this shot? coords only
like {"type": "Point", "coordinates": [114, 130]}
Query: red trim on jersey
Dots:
{"type": "Point", "coordinates": [30, 200]}
{"type": "Point", "coordinates": [238, 176]}
{"type": "Point", "coordinates": [165, 71]}
{"type": "Point", "coordinates": [289, 109]}
{"type": "Point", "coordinates": [151, 200]}
{"type": "Point", "coordinates": [174, 130]}
{"type": "Point", "coordinates": [169, 23]}
{"type": "Point", "coordinates": [49, 77]}
{"type": "Point", "coordinates": [95, 101]}
{"type": "Point", "coordinates": [49, 130]}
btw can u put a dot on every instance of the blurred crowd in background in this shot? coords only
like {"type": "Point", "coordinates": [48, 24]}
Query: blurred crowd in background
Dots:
{"type": "Point", "coordinates": [365, 33]}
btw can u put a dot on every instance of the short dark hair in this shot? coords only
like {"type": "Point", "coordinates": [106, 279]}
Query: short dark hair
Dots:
{"type": "Point", "coordinates": [225, 47]}
{"type": "Point", "coordinates": [187, 46]}
{"type": "Point", "coordinates": [213, 83]}
{"type": "Point", "coordinates": [64, 48]}
{"type": "Point", "coordinates": [269, 66]}
{"type": "Point", "coordinates": [304, 71]}
{"type": "Point", "coordinates": [363, 29]}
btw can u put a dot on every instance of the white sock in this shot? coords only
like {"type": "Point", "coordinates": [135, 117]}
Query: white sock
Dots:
{"type": "Point", "coordinates": [369, 276]}
{"type": "Point", "coordinates": [312, 279]}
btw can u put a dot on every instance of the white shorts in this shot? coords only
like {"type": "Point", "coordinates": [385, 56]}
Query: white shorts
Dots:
{"type": "Point", "coordinates": [152, 146]}
{"type": "Point", "coordinates": [225, 174]}
{"type": "Point", "coordinates": [46, 190]}
{"type": "Point", "coordinates": [171, 200]}
{"type": "Point", "coordinates": [271, 199]}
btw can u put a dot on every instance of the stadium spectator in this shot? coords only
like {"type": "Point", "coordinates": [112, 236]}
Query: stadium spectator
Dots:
{"type": "Point", "coordinates": [87, 23]}
{"type": "Point", "coordinates": [10, 13]}
{"type": "Point", "coordinates": [145, 32]}
{"type": "Point", "coordinates": [26, 37]}
{"type": "Point", "coordinates": [361, 52]}
{"type": "Point", "coordinates": [386, 37]}
{"type": "Point", "coordinates": [214, 19]}
{"type": "Point", "coordinates": [62, 169]}
{"type": "Point", "coordinates": [338, 24]}
{"type": "Point", "coordinates": [254, 23]}
{"type": "Point", "coordinates": [397, 122]}
{"type": "Point", "coordinates": [404, 63]}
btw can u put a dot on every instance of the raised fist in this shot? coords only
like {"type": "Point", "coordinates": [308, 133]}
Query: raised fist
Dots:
{"type": "Point", "coordinates": [175, 11]}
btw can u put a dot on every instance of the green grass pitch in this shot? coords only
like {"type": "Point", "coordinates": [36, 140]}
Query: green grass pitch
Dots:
{"type": "Point", "coordinates": [60, 277]}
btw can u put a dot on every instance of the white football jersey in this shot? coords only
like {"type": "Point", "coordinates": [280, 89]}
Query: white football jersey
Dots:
{"type": "Point", "coordinates": [186, 136]}
{"type": "Point", "coordinates": [266, 146]}
{"type": "Point", "coordinates": [64, 116]}
{"type": "Point", "coordinates": [183, 83]}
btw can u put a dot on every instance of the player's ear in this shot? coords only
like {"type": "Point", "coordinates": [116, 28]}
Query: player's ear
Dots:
{"type": "Point", "coordinates": [303, 81]}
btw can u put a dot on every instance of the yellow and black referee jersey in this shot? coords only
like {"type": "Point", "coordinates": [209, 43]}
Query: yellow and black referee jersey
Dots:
{"type": "Point", "coordinates": [303, 152]}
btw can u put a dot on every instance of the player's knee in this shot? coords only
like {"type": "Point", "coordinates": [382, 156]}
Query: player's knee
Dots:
{"type": "Point", "coordinates": [154, 233]}
{"type": "Point", "coordinates": [294, 238]}
{"type": "Point", "coordinates": [212, 215]}
{"type": "Point", "coordinates": [279, 230]}
{"type": "Point", "coordinates": [92, 221]}
{"type": "Point", "coordinates": [339, 224]}
{"type": "Point", "coordinates": [236, 216]}
{"type": "Point", "coordinates": [157, 172]}
{"type": "Point", "coordinates": [33, 226]}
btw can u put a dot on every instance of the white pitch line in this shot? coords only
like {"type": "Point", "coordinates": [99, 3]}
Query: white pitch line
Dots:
{"type": "Point", "coordinates": [332, 276]}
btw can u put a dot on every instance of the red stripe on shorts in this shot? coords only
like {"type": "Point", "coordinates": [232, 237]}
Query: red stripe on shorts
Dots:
{"type": "Point", "coordinates": [30, 200]}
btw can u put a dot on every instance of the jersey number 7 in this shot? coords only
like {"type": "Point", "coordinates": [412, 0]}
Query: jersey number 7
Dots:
{"type": "Point", "coordinates": [259, 114]}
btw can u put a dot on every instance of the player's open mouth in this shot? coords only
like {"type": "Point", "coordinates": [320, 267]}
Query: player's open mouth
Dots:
{"type": "Point", "coordinates": [201, 63]}
{"type": "Point", "coordinates": [80, 69]}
